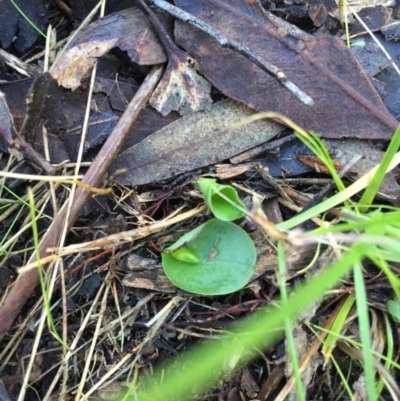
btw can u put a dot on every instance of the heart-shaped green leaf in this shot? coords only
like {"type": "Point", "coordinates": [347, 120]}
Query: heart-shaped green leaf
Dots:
{"type": "Point", "coordinates": [227, 259]}
{"type": "Point", "coordinates": [223, 200]}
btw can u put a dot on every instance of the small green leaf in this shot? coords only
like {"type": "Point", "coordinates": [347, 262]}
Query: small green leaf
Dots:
{"type": "Point", "coordinates": [394, 310]}
{"type": "Point", "coordinates": [226, 254]}
{"type": "Point", "coordinates": [185, 255]}
{"type": "Point", "coordinates": [359, 43]}
{"type": "Point", "coordinates": [223, 200]}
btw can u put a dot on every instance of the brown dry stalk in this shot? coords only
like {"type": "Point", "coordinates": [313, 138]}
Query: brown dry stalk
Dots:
{"type": "Point", "coordinates": [26, 282]}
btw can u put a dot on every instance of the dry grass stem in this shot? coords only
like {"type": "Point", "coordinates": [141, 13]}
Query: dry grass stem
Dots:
{"type": "Point", "coordinates": [127, 236]}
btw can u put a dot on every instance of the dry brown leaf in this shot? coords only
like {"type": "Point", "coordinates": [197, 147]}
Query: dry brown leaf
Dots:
{"type": "Point", "coordinates": [194, 141]}
{"type": "Point", "coordinates": [181, 88]}
{"type": "Point", "coordinates": [129, 30]}
{"type": "Point", "coordinates": [345, 102]}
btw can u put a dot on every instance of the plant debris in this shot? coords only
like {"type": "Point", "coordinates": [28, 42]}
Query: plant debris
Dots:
{"type": "Point", "coordinates": [193, 141]}
{"type": "Point", "coordinates": [127, 29]}
{"type": "Point", "coordinates": [323, 67]}
{"type": "Point", "coordinates": [107, 196]}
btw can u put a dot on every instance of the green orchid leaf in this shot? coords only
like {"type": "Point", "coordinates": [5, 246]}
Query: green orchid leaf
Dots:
{"type": "Point", "coordinates": [223, 200]}
{"type": "Point", "coordinates": [226, 259]}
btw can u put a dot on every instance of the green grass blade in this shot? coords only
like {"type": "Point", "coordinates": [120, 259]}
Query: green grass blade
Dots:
{"type": "Point", "coordinates": [315, 144]}
{"type": "Point", "coordinates": [9, 229]}
{"type": "Point", "coordinates": [24, 201]}
{"type": "Point", "coordinates": [374, 185]}
{"type": "Point", "coordinates": [363, 321]}
{"type": "Point", "coordinates": [393, 279]}
{"type": "Point", "coordinates": [335, 199]}
{"type": "Point", "coordinates": [288, 325]}
{"type": "Point", "coordinates": [337, 326]}
{"type": "Point", "coordinates": [345, 381]}
{"type": "Point", "coordinates": [389, 352]}
{"type": "Point", "coordinates": [343, 6]}
{"type": "Point", "coordinates": [27, 19]}
{"type": "Point", "coordinates": [42, 280]}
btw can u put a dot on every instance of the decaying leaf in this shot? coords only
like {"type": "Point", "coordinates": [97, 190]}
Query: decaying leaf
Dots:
{"type": "Point", "coordinates": [248, 384]}
{"type": "Point", "coordinates": [155, 280]}
{"type": "Point", "coordinates": [373, 17]}
{"type": "Point", "coordinates": [317, 12]}
{"type": "Point", "coordinates": [129, 30]}
{"type": "Point", "coordinates": [16, 144]}
{"type": "Point", "coordinates": [181, 88]}
{"type": "Point", "coordinates": [64, 122]}
{"type": "Point", "coordinates": [357, 6]}
{"type": "Point", "coordinates": [6, 124]}
{"type": "Point", "coordinates": [345, 102]}
{"type": "Point", "coordinates": [43, 105]}
{"type": "Point", "coordinates": [193, 141]}
{"type": "Point", "coordinates": [315, 163]}
{"type": "Point", "coordinates": [389, 188]}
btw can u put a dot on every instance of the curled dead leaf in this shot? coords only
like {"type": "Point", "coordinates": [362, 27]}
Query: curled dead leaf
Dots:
{"type": "Point", "coordinates": [128, 30]}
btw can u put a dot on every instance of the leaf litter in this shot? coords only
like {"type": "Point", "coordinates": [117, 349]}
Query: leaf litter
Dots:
{"type": "Point", "coordinates": [323, 67]}
{"type": "Point", "coordinates": [164, 209]}
{"type": "Point", "coordinates": [194, 141]}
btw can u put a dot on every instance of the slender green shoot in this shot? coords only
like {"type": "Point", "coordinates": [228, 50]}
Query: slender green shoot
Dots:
{"type": "Point", "coordinates": [332, 359]}
{"type": "Point", "coordinates": [376, 181]}
{"type": "Point", "coordinates": [313, 261]}
{"type": "Point", "coordinates": [132, 385]}
{"type": "Point", "coordinates": [301, 395]}
{"type": "Point", "coordinates": [345, 381]}
{"type": "Point", "coordinates": [357, 344]}
{"type": "Point", "coordinates": [389, 353]}
{"type": "Point", "coordinates": [364, 326]}
{"type": "Point", "coordinates": [42, 280]}
{"type": "Point", "coordinates": [393, 279]}
{"type": "Point", "coordinates": [337, 326]}
{"type": "Point", "coordinates": [315, 144]}
{"type": "Point", "coordinates": [336, 199]}
{"type": "Point", "coordinates": [24, 201]}
{"type": "Point", "coordinates": [344, 20]}
{"type": "Point", "coordinates": [3, 251]}
{"type": "Point", "coordinates": [28, 20]}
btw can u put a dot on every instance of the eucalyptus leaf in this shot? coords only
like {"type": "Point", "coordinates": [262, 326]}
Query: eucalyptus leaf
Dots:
{"type": "Point", "coordinates": [227, 259]}
{"type": "Point", "coordinates": [223, 200]}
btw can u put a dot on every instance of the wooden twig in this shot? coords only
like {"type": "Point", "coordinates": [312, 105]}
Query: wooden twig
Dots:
{"type": "Point", "coordinates": [169, 46]}
{"type": "Point", "coordinates": [34, 156]}
{"type": "Point", "coordinates": [27, 281]}
{"type": "Point", "coordinates": [269, 68]}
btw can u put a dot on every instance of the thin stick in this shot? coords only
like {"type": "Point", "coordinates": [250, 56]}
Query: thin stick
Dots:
{"type": "Point", "coordinates": [269, 68]}
{"type": "Point", "coordinates": [26, 282]}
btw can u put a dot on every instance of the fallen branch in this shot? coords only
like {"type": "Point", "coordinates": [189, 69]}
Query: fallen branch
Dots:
{"type": "Point", "coordinates": [26, 282]}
